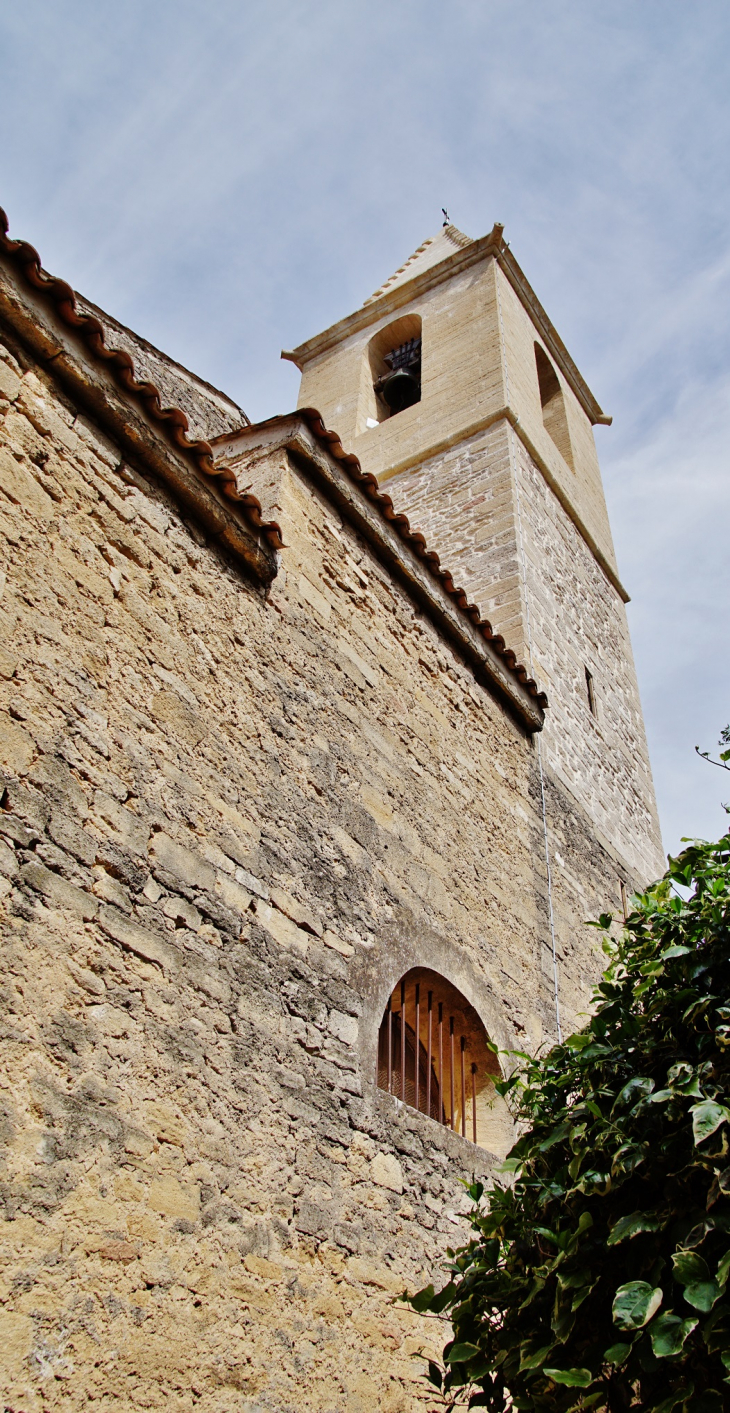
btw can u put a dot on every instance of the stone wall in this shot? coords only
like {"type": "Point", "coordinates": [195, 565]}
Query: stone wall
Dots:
{"type": "Point", "coordinates": [465, 501]}
{"type": "Point", "coordinates": [579, 483]}
{"type": "Point", "coordinates": [462, 374]}
{"type": "Point", "coordinates": [230, 821]}
{"type": "Point", "coordinates": [578, 621]}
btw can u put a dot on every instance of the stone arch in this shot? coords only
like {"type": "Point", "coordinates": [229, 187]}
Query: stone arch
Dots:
{"type": "Point", "coordinates": [552, 401]}
{"type": "Point", "coordinates": [434, 1056]}
{"type": "Point", "coordinates": [402, 337]}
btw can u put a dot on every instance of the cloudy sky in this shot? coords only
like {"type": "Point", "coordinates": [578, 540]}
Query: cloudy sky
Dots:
{"type": "Point", "coordinates": [229, 177]}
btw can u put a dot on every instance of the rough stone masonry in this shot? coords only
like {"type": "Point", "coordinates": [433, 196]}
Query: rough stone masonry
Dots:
{"type": "Point", "coordinates": [244, 790]}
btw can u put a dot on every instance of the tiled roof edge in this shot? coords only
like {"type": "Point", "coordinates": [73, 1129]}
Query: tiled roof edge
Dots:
{"type": "Point", "coordinates": [456, 237]}
{"type": "Point", "coordinates": [172, 419]}
{"type": "Point", "coordinates": [417, 542]}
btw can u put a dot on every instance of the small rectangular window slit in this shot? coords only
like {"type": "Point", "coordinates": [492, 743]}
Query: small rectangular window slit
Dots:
{"type": "Point", "coordinates": [624, 899]}
{"type": "Point", "coordinates": [591, 692]}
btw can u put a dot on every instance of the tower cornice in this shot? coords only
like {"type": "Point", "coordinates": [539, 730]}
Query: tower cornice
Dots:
{"type": "Point", "coordinates": [492, 246]}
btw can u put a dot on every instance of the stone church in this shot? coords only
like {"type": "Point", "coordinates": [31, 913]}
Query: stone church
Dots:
{"type": "Point", "coordinates": [320, 739]}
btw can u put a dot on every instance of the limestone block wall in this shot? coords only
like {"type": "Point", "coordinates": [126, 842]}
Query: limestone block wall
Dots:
{"type": "Point", "coordinates": [462, 373]}
{"type": "Point", "coordinates": [578, 621]}
{"type": "Point", "coordinates": [229, 821]}
{"type": "Point", "coordinates": [465, 503]}
{"type": "Point", "coordinates": [581, 483]}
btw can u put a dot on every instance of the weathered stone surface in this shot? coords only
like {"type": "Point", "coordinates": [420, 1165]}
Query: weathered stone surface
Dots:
{"type": "Point", "coordinates": [8, 861]}
{"type": "Point", "coordinates": [137, 939]}
{"type": "Point", "coordinates": [58, 891]}
{"type": "Point", "coordinates": [16, 745]}
{"type": "Point", "coordinates": [181, 862]}
{"type": "Point", "coordinates": [21, 488]}
{"type": "Point", "coordinates": [64, 832]}
{"type": "Point", "coordinates": [230, 821]}
{"type": "Point", "coordinates": [280, 927]}
{"type": "Point", "coordinates": [387, 1172]}
{"type": "Point", "coordinates": [132, 832]}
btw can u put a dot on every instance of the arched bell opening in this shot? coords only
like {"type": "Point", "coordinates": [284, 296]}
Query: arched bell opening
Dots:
{"type": "Point", "coordinates": [391, 376]}
{"type": "Point", "coordinates": [434, 1055]}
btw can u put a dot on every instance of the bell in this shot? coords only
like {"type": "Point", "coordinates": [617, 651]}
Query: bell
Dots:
{"type": "Point", "coordinates": [400, 389]}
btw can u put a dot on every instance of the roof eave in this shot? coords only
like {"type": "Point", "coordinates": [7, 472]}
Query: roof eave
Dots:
{"type": "Point", "coordinates": [41, 311]}
{"type": "Point", "coordinates": [359, 498]}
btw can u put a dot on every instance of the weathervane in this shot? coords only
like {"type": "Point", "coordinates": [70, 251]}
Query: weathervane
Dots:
{"type": "Point", "coordinates": [446, 215]}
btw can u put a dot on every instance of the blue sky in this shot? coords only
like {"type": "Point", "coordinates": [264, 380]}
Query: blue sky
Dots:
{"type": "Point", "coordinates": [229, 177]}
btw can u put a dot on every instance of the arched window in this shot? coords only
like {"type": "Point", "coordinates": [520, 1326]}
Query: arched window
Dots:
{"type": "Point", "coordinates": [391, 375]}
{"type": "Point", "coordinates": [554, 416]}
{"type": "Point", "coordinates": [433, 1054]}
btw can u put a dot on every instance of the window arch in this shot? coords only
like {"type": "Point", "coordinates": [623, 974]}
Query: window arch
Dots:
{"type": "Point", "coordinates": [391, 373]}
{"type": "Point", "coordinates": [552, 401]}
{"type": "Point", "coordinates": [434, 1056]}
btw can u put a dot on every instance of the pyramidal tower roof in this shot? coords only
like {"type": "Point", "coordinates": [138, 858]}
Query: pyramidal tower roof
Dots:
{"type": "Point", "coordinates": [431, 253]}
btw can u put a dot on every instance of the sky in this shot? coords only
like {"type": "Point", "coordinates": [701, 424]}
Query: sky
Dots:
{"type": "Point", "coordinates": [230, 177]}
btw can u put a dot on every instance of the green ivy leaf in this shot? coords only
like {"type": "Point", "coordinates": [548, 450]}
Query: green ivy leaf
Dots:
{"type": "Point", "coordinates": [617, 1354]}
{"type": "Point", "coordinates": [443, 1298]}
{"type": "Point", "coordinates": [510, 1165]}
{"type": "Point", "coordinates": [702, 1295]}
{"type": "Point", "coordinates": [421, 1300]}
{"type": "Point", "coordinates": [574, 1378]}
{"type": "Point", "coordinates": [689, 1268]}
{"type": "Point", "coordinates": [706, 1118]}
{"type": "Point", "coordinates": [534, 1360]}
{"type": "Point", "coordinates": [557, 1135]}
{"type": "Point", "coordinates": [637, 1088]}
{"type": "Point", "coordinates": [679, 1395]}
{"type": "Point", "coordinates": [434, 1375]}
{"type": "Point", "coordinates": [715, 1330]}
{"type": "Point", "coordinates": [635, 1303]}
{"type": "Point", "coordinates": [723, 1270]}
{"type": "Point", "coordinates": [630, 1226]}
{"type": "Point", "coordinates": [668, 1334]}
{"type": "Point", "coordinates": [461, 1353]}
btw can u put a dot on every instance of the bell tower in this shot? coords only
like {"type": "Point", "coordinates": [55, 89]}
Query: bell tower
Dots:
{"type": "Point", "coordinates": [452, 386]}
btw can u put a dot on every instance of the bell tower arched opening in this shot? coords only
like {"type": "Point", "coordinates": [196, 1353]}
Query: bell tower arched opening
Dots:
{"type": "Point", "coordinates": [391, 373]}
{"type": "Point", "coordinates": [434, 1056]}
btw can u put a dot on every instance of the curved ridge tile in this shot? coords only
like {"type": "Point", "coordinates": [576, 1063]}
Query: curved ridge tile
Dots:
{"type": "Point", "coordinates": [172, 418]}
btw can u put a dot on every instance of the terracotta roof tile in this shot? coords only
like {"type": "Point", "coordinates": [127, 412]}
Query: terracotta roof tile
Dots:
{"type": "Point", "coordinates": [414, 538]}
{"type": "Point", "coordinates": [175, 423]}
{"type": "Point", "coordinates": [121, 365]}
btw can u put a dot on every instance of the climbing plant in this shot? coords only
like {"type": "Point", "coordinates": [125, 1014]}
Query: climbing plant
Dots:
{"type": "Point", "coordinates": [598, 1277]}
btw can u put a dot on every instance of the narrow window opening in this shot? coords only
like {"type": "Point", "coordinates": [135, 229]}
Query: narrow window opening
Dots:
{"type": "Point", "coordinates": [434, 1056]}
{"type": "Point", "coordinates": [552, 401]}
{"type": "Point", "coordinates": [624, 899]}
{"type": "Point", "coordinates": [591, 691]}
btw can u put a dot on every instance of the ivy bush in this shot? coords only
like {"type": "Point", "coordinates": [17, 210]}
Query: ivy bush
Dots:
{"type": "Point", "coordinates": [598, 1277]}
